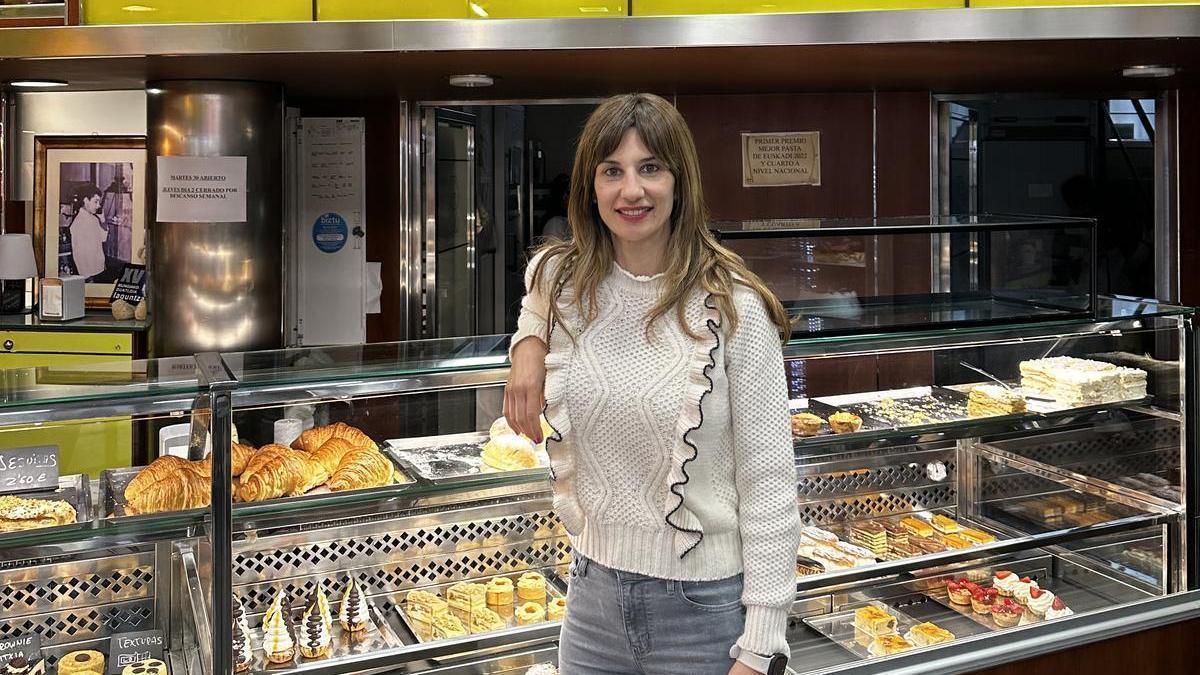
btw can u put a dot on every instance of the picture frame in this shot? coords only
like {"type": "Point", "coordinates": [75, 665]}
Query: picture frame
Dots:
{"type": "Point", "coordinates": [97, 185]}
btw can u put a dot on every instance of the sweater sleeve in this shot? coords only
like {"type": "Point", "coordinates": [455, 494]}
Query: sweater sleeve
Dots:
{"type": "Point", "coordinates": [535, 306]}
{"type": "Point", "coordinates": [765, 475]}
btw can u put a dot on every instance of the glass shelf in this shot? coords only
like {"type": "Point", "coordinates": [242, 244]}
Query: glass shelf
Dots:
{"type": "Point", "coordinates": [833, 227]}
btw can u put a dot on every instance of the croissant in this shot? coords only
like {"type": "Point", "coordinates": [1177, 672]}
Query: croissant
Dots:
{"type": "Point", "coordinates": [178, 491]}
{"type": "Point", "coordinates": [158, 470]}
{"type": "Point", "coordinates": [241, 456]}
{"type": "Point", "coordinates": [330, 454]}
{"type": "Point", "coordinates": [276, 471]}
{"type": "Point", "coordinates": [362, 468]}
{"type": "Point", "coordinates": [313, 439]}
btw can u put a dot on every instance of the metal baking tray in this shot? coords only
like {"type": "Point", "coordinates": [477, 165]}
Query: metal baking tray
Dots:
{"type": "Point", "coordinates": [839, 627]}
{"type": "Point", "coordinates": [821, 409]}
{"type": "Point", "coordinates": [454, 458]}
{"type": "Point", "coordinates": [74, 489]}
{"type": "Point", "coordinates": [114, 481]}
{"type": "Point", "coordinates": [940, 596]}
{"type": "Point", "coordinates": [554, 589]}
{"type": "Point", "coordinates": [377, 637]}
{"type": "Point", "coordinates": [905, 408]}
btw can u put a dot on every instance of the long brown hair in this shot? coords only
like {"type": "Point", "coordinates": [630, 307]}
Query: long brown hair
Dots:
{"type": "Point", "coordinates": [694, 257]}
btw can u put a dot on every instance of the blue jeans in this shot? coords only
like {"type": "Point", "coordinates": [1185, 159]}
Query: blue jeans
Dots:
{"type": "Point", "coordinates": [620, 623]}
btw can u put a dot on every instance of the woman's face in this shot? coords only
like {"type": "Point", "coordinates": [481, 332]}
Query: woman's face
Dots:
{"type": "Point", "coordinates": [635, 192]}
{"type": "Point", "coordinates": [92, 204]}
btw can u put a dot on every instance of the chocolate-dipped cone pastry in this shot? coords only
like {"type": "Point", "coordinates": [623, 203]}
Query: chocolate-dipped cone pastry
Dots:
{"type": "Point", "coordinates": [353, 615]}
{"type": "Point", "coordinates": [243, 658]}
{"type": "Point", "coordinates": [315, 639]}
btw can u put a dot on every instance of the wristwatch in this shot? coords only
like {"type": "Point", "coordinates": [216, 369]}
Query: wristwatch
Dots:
{"type": "Point", "coordinates": [774, 664]}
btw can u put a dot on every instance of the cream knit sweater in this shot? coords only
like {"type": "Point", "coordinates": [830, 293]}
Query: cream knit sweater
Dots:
{"type": "Point", "coordinates": [672, 456]}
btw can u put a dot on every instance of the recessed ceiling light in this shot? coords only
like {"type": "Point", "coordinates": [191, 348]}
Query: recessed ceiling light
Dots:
{"type": "Point", "coordinates": [471, 81]}
{"type": "Point", "coordinates": [38, 84]}
{"type": "Point", "coordinates": [1150, 71]}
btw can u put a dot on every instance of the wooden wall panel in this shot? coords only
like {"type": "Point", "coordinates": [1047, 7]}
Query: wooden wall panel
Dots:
{"type": "Point", "coordinates": [844, 121]}
{"type": "Point", "coordinates": [1171, 650]}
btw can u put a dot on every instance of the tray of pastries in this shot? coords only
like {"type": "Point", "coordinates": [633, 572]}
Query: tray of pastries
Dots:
{"type": "Point", "coordinates": [295, 631]}
{"type": "Point", "coordinates": [875, 629]}
{"type": "Point", "coordinates": [447, 611]}
{"type": "Point", "coordinates": [331, 458]}
{"type": "Point", "coordinates": [1000, 599]}
{"type": "Point", "coordinates": [867, 542]}
{"type": "Point", "coordinates": [455, 458]}
{"type": "Point", "coordinates": [811, 418]}
{"type": "Point", "coordinates": [903, 408]}
{"type": "Point", "coordinates": [70, 504]}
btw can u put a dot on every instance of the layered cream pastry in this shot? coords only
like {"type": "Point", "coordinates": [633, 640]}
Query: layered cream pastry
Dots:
{"type": "Point", "coordinates": [446, 627]}
{"type": "Point", "coordinates": [315, 637]}
{"type": "Point", "coordinates": [484, 620]}
{"type": "Point", "coordinates": [277, 639]}
{"type": "Point", "coordinates": [925, 634]}
{"type": "Point", "coordinates": [1079, 382]}
{"type": "Point", "coordinates": [986, 400]}
{"type": "Point", "coordinates": [353, 614]}
{"type": "Point", "coordinates": [424, 607]}
{"type": "Point", "coordinates": [467, 597]}
{"type": "Point", "coordinates": [243, 656]}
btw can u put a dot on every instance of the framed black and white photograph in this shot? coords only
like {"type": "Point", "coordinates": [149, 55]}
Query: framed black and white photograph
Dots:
{"type": "Point", "coordinates": [90, 208]}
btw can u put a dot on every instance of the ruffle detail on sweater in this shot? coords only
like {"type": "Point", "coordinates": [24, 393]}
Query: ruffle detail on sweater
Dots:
{"type": "Point", "coordinates": [562, 465]}
{"type": "Point", "coordinates": [688, 530]}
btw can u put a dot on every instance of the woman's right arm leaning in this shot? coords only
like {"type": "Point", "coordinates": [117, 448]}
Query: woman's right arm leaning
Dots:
{"type": "Point", "coordinates": [524, 394]}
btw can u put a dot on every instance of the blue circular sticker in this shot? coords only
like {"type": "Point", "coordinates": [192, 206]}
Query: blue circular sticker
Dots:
{"type": "Point", "coordinates": [330, 233]}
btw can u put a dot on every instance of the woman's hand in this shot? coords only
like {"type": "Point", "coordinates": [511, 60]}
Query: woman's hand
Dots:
{"type": "Point", "coordinates": [525, 393]}
{"type": "Point", "coordinates": [740, 668]}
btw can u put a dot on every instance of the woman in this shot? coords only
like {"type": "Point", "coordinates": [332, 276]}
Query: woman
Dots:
{"type": "Point", "coordinates": [656, 356]}
{"type": "Point", "coordinates": [87, 234]}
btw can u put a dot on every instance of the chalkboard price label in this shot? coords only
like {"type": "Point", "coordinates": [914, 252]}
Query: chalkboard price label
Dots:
{"type": "Point", "coordinates": [126, 649]}
{"type": "Point", "coordinates": [27, 469]}
{"type": "Point", "coordinates": [27, 646]}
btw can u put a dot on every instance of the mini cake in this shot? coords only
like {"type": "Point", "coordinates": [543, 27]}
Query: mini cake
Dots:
{"type": "Point", "coordinates": [530, 612]}
{"type": "Point", "coordinates": [806, 424]}
{"type": "Point", "coordinates": [927, 545]}
{"type": "Point", "coordinates": [896, 533]}
{"type": "Point", "coordinates": [901, 550]}
{"type": "Point", "coordinates": [557, 609]}
{"type": "Point", "coordinates": [531, 587]}
{"type": "Point", "coordinates": [424, 607]}
{"type": "Point", "coordinates": [1022, 588]}
{"type": "Point", "coordinates": [860, 555]}
{"type": "Point", "coordinates": [926, 634]}
{"type": "Point", "coordinates": [872, 535]}
{"type": "Point", "coordinates": [982, 599]}
{"type": "Point", "coordinates": [845, 422]}
{"type": "Point", "coordinates": [1058, 609]}
{"type": "Point", "coordinates": [484, 620]}
{"type": "Point", "coordinates": [243, 656]}
{"type": "Point", "coordinates": [989, 399]}
{"type": "Point", "coordinates": [84, 661]}
{"type": "Point", "coordinates": [353, 615]}
{"type": "Point", "coordinates": [1007, 613]}
{"type": "Point", "coordinates": [883, 645]}
{"type": "Point", "coordinates": [315, 638]}
{"type": "Point", "coordinates": [956, 541]}
{"type": "Point", "coordinates": [811, 537]}
{"type": "Point", "coordinates": [500, 591]}
{"type": "Point", "coordinates": [944, 525]}
{"type": "Point", "coordinates": [277, 639]}
{"type": "Point", "coordinates": [917, 526]}
{"type": "Point", "coordinates": [467, 597]}
{"type": "Point", "coordinates": [147, 667]}
{"type": "Point", "coordinates": [976, 537]}
{"type": "Point", "coordinates": [1040, 602]}
{"type": "Point", "coordinates": [1005, 582]}
{"type": "Point", "coordinates": [958, 591]}
{"type": "Point", "coordinates": [446, 627]}
{"type": "Point", "coordinates": [874, 621]}
{"type": "Point", "coordinates": [831, 558]}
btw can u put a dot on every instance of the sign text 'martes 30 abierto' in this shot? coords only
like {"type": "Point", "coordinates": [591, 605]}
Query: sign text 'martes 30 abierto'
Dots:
{"type": "Point", "coordinates": [783, 158]}
{"type": "Point", "coordinates": [201, 190]}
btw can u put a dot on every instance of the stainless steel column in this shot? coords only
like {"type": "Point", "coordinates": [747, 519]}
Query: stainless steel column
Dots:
{"type": "Point", "coordinates": [217, 286]}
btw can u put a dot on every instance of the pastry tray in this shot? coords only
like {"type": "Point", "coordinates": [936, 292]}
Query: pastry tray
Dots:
{"type": "Point", "coordinates": [377, 637]}
{"type": "Point", "coordinates": [554, 586]}
{"type": "Point", "coordinates": [839, 627]}
{"type": "Point", "coordinates": [114, 481]}
{"type": "Point", "coordinates": [939, 595]}
{"type": "Point", "coordinates": [822, 410]}
{"type": "Point", "coordinates": [74, 489]}
{"type": "Point", "coordinates": [450, 459]}
{"type": "Point", "coordinates": [932, 405]}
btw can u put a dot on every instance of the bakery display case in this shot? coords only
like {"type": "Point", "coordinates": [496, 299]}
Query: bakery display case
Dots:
{"type": "Point", "coordinates": [971, 492]}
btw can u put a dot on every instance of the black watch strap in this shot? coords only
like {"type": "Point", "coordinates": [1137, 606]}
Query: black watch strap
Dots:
{"type": "Point", "coordinates": [778, 664]}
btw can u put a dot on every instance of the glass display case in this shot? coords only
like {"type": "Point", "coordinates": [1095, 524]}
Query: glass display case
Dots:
{"type": "Point", "coordinates": [1022, 485]}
